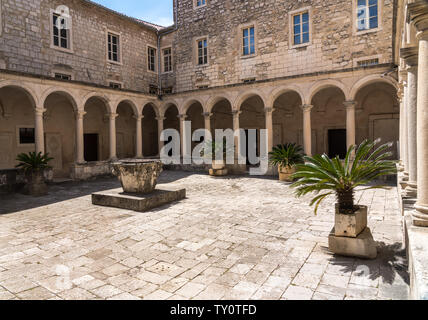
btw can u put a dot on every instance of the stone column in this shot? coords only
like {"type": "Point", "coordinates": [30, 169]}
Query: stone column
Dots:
{"type": "Point", "coordinates": [269, 127]}
{"type": "Point", "coordinates": [350, 123]}
{"type": "Point", "coordinates": [307, 129]}
{"type": "Point", "coordinates": [400, 95]}
{"type": "Point", "coordinates": [405, 135]}
{"type": "Point", "coordinates": [410, 55]}
{"type": "Point", "coordinates": [80, 156]}
{"type": "Point", "coordinates": [139, 140]}
{"type": "Point", "coordinates": [418, 12]}
{"type": "Point", "coordinates": [160, 129]}
{"type": "Point", "coordinates": [39, 131]}
{"type": "Point", "coordinates": [237, 139]}
{"type": "Point", "coordinates": [112, 134]}
{"type": "Point", "coordinates": [207, 119]}
{"type": "Point", "coordinates": [183, 134]}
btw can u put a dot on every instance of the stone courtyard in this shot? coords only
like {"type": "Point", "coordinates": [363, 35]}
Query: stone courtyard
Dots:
{"type": "Point", "coordinates": [231, 238]}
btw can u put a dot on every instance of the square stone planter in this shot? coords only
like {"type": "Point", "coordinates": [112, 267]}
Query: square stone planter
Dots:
{"type": "Point", "coordinates": [285, 173]}
{"type": "Point", "coordinates": [350, 225]}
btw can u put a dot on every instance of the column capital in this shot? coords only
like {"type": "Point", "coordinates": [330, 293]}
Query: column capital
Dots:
{"type": "Point", "coordinates": [80, 114]}
{"type": "Point", "coordinates": [269, 110]}
{"type": "Point", "coordinates": [350, 104]}
{"type": "Point", "coordinates": [160, 118]}
{"type": "Point", "coordinates": [39, 111]}
{"type": "Point", "coordinates": [182, 116]}
{"type": "Point", "coordinates": [417, 14]}
{"type": "Point", "coordinates": [112, 116]}
{"type": "Point", "coordinates": [410, 56]}
{"type": "Point", "coordinates": [306, 107]}
{"type": "Point", "coordinates": [207, 114]}
{"type": "Point", "coordinates": [138, 118]}
{"type": "Point", "coordinates": [236, 113]}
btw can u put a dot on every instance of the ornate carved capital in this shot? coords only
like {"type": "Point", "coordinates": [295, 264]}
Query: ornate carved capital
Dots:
{"type": "Point", "coordinates": [350, 104]}
{"type": "Point", "coordinates": [80, 114]}
{"type": "Point", "coordinates": [269, 110]}
{"type": "Point", "coordinates": [39, 111]}
{"type": "Point", "coordinates": [138, 118]}
{"type": "Point", "coordinates": [306, 107]}
{"type": "Point", "coordinates": [417, 14]}
{"type": "Point", "coordinates": [236, 113]}
{"type": "Point", "coordinates": [160, 118]}
{"type": "Point", "coordinates": [112, 116]}
{"type": "Point", "coordinates": [207, 114]}
{"type": "Point", "coordinates": [182, 117]}
{"type": "Point", "coordinates": [410, 56]}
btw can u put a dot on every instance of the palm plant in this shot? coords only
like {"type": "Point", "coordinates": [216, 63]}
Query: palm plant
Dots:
{"type": "Point", "coordinates": [286, 155]}
{"type": "Point", "coordinates": [320, 173]}
{"type": "Point", "coordinates": [212, 148]}
{"type": "Point", "coordinates": [32, 161]}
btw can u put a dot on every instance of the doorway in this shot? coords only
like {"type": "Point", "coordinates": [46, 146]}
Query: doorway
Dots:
{"type": "Point", "coordinates": [251, 145]}
{"type": "Point", "coordinates": [91, 146]}
{"type": "Point", "coordinates": [337, 143]}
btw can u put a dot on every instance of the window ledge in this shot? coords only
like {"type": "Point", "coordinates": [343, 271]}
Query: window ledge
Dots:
{"type": "Point", "coordinates": [302, 45]}
{"type": "Point", "coordinates": [249, 56]}
{"type": "Point", "coordinates": [362, 32]}
{"type": "Point", "coordinates": [62, 49]}
{"type": "Point", "coordinates": [115, 62]}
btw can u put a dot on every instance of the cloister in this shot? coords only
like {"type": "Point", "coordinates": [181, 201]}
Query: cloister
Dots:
{"type": "Point", "coordinates": [83, 126]}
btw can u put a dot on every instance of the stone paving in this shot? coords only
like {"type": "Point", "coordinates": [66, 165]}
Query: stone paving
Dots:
{"type": "Point", "coordinates": [232, 238]}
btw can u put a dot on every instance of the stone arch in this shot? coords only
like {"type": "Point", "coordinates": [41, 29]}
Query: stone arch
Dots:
{"type": "Point", "coordinates": [153, 105]}
{"type": "Point", "coordinates": [246, 95]}
{"type": "Point", "coordinates": [213, 101]}
{"type": "Point", "coordinates": [65, 92]}
{"type": "Point", "coordinates": [277, 92]}
{"type": "Point", "coordinates": [100, 96]}
{"type": "Point", "coordinates": [323, 84]}
{"type": "Point", "coordinates": [27, 90]}
{"type": "Point", "coordinates": [188, 103]}
{"type": "Point", "coordinates": [369, 80]}
{"type": "Point", "coordinates": [131, 102]}
{"type": "Point", "coordinates": [166, 105]}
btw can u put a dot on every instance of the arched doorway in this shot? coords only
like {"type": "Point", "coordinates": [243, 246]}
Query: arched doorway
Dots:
{"type": "Point", "coordinates": [150, 131]}
{"type": "Point", "coordinates": [60, 132]}
{"type": "Point", "coordinates": [17, 134]}
{"type": "Point", "coordinates": [96, 129]}
{"type": "Point", "coordinates": [328, 118]}
{"type": "Point", "coordinates": [126, 134]}
{"type": "Point", "coordinates": [195, 116]}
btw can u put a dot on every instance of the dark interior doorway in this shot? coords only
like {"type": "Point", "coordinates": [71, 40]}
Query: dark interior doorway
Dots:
{"type": "Point", "coordinates": [251, 145]}
{"type": "Point", "coordinates": [337, 143]}
{"type": "Point", "coordinates": [91, 146]}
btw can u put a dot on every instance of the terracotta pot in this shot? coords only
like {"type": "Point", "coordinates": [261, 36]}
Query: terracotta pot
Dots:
{"type": "Point", "coordinates": [285, 173]}
{"type": "Point", "coordinates": [218, 164]}
{"type": "Point", "coordinates": [350, 225]}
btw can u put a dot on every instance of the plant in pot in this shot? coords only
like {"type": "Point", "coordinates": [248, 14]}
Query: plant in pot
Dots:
{"type": "Point", "coordinates": [286, 157]}
{"type": "Point", "coordinates": [210, 151]}
{"type": "Point", "coordinates": [34, 164]}
{"type": "Point", "coordinates": [320, 174]}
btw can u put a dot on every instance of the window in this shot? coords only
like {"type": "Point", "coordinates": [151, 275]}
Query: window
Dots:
{"type": "Point", "coordinates": [60, 32]}
{"type": "Point", "coordinates": [248, 45]}
{"type": "Point", "coordinates": [200, 3]}
{"type": "Point", "coordinates": [249, 80]}
{"type": "Point", "coordinates": [62, 76]}
{"type": "Point", "coordinates": [203, 87]}
{"type": "Point", "coordinates": [153, 89]}
{"type": "Point", "coordinates": [115, 85]}
{"type": "Point", "coordinates": [202, 51]}
{"type": "Point", "coordinates": [167, 60]}
{"type": "Point", "coordinates": [301, 28]}
{"type": "Point", "coordinates": [167, 90]}
{"type": "Point", "coordinates": [113, 47]}
{"type": "Point", "coordinates": [367, 14]}
{"type": "Point", "coordinates": [367, 63]}
{"type": "Point", "coordinates": [151, 60]}
{"type": "Point", "coordinates": [26, 136]}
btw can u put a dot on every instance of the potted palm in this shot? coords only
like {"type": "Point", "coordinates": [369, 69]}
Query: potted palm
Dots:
{"type": "Point", "coordinates": [286, 157]}
{"type": "Point", "coordinates": [211, 149]}
{"type": "Point", "coordinates": [320, 174]}
{"type": "Point", "coordinates": [34, 165]}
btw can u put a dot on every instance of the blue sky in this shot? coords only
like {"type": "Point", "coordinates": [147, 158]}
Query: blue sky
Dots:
{"type": "Point", "coordinates": [156, 11]}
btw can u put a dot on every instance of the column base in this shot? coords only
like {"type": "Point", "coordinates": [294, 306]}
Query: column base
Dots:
{"type": "Point", "coordinates": [420, 216]}
{"type": "Point", "coordinates": [113, 159]}
{"type": "Point", "coordinates": [411, 190]}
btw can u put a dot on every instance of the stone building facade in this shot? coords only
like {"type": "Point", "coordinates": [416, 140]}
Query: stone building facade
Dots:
{"type": "Point", "coordinates": [319, 73]}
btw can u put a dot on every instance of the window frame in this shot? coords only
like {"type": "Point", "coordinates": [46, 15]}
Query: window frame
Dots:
{"type": "Point", "coordinates": [69, 48]}
{"type": "Point", "coordinates": [355, 29]}
{"type": "Point", "coordinates": [196, 51]}
{"type": "Point", "coordinates": [119, 47]}
{"type": "Point", "coordinates": [170, 59]}
{"type": "Point", "coordinates": [18, 136]}
{"type": "Point", "coordinates": [241, 29]}
{"type": "Point", "coordinates": [195, 4]}
{"type": "Point", "coordinates": [366, 58]}
{"type": "Point", "coordinates": [62, 74]}
{"type": "Point", "coordinates": [109, 82]}
{"type": "Point", "coordinates": [156, 62]}
{"type": "Point", "coordinates": [291, 16]}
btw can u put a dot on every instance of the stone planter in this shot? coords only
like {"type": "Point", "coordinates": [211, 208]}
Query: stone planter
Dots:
{"type": "Point", "coordinates": [35, 184]}
{"type": "Point", "coordinates": [350, 225]}
{"type": "Point", "coordinates": [285, 173]}
{"type": "Point", "coordinates": [137, 176]}
{"type": "Point", "coordinates": [351, 236]}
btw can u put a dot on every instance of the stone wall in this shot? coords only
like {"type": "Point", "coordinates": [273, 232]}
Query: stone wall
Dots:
{"type": "Point", "coordinates": [25, 43]}
{"type": "Point", "coordinates": [334, 43]}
